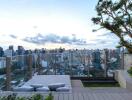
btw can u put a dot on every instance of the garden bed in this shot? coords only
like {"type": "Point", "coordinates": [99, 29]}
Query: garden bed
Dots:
{"type": "Point", "coordinates": [86, 84]}
{"type": "Point", "coordinates": [130, 71]}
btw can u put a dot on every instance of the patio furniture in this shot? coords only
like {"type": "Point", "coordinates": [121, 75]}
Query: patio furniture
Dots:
{"type": "Point", "coordinates": [23, 89]}
{"type": "Point", "coordinates": [49, 81]}
{"type": "Point", "coordinates": [54, 86]}
{"type": "Point", "coordinates": [43, 89]}
{"type": "Point", "coordinates": [35, 86]}
{"type": "Point", "coordinates": [63, 89]}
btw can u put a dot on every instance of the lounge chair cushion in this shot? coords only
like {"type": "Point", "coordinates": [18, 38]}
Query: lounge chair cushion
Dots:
{"type": "Point", "coordinates": [43, 89]}
{"type": "Point", "coordinates": [56, 85]}
{"type": "Point", "coordinates": [23, 89]}
{"type": "Point", "coordinates": [36, 85]}
{"type": "Point", "coordinates": [63, 89]}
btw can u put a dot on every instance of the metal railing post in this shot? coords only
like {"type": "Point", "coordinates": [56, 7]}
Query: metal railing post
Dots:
{"type": "Point", "coordinates": [8, 73]}
{"type": "Point", "coordinates": [29, 67]}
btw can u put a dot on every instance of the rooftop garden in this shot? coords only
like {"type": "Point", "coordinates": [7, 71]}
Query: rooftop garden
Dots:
{"type": "Point", "coordinates": [34, 97]}
{"type": "Point", "coordinates": [100, 84]}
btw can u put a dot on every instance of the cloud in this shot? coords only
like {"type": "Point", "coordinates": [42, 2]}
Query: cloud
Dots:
{"type": "Point", "coordinates": [13, 36]}
{"type": "Point", "coordinates": [102, 42]}
{"type": "Point", "coordinates": [53, 38]}
{"type": "Point", "coordinates": [106, 39]}
{"type": "Point", "coordinates": [106, 34]}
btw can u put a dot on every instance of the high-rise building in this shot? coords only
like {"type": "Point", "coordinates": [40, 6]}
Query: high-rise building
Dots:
{"type": "Point", "coordinates": [8, 53]}
{"type": "Point", "coordinates": [20, 50]}
{"type": "Point", "coordinates": [11, 48]}
{"type": "Point", "coordinates": [96, 59]}
{"type": "Point", "coordinates": [2, 63]}
{"type": "Point", "coordinates": [1, 52]}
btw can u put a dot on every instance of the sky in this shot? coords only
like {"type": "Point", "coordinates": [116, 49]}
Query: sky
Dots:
{"type": "Point", "coordinates": [51, 24]}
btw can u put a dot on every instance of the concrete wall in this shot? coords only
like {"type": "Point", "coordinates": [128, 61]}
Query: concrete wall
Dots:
{"type": "Point", "coordinates": [119, 76]}
{"type": "Point", "coordinates": [127, 61]}
{"type": "Point", "coordinates": [124, 79]}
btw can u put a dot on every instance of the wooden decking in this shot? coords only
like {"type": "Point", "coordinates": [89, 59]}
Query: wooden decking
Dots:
{"type": "Point", "coordinates": [99, 94]}
{"type": "Point", "coordinates": [93, 96]}
{"type": "Point", "coordinates": [76, 83]}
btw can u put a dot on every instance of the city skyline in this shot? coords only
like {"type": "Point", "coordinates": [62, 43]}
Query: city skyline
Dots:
{"type": "Point", "coordinates": [51, 24]}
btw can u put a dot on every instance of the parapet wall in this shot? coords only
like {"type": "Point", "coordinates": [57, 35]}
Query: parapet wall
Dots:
{"type": "Point", "coordinates": [119, 76]}
{"type": "Point", "coordinates": [124, 79]}
{"type": "Point", "coordinates": [127, 61]}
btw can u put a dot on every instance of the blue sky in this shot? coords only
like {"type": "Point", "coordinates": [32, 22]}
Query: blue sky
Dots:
{"type": "Point", "coordinates": [51, 24]}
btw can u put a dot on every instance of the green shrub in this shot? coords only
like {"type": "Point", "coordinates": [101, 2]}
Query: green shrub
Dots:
{"type": "Point", "coordinates": [34, 97]}
{"type": "Point", "coordinates": [130, 71]}
{"type": "Point", "coordinates": [21, 98]}
{"type": "Point", "coordinates": [49, 97]}
{"type": "Point", "coordinates": [12, 97]}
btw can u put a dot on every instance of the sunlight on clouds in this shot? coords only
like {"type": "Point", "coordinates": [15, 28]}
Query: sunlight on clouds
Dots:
{"type": "Point", "coordinates": [45, 25]}
{"type": "Point", "coordinates": [23, 18]}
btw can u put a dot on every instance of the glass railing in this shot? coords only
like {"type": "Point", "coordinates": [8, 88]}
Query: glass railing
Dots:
{"type": "Point", "coordinates": [2, 72]}
{"type": "Point", "coordinates": [16, 70]}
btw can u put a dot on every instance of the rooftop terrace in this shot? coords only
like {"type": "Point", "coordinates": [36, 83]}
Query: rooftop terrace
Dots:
{"type": "Point", "coordinates": [14, 73]}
